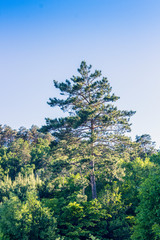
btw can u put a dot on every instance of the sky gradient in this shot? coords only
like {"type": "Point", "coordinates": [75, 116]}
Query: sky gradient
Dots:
{"type": "Point", "coordinates": [42, 40]}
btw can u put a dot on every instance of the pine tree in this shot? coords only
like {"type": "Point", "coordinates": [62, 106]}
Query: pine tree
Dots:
{"type": "Point", "coordinates": [93, 118]}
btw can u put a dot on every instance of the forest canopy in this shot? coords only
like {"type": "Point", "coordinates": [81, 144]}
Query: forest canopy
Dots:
{"type": "Point", "coordinates": [79, 177]}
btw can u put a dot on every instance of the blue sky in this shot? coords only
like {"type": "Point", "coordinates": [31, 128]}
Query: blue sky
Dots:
{"type": "Point", "coordinates": [42, 40]}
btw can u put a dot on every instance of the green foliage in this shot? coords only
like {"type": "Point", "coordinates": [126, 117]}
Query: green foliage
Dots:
{"type": "Point", "coordinates": [148, 212]}
{"type": "Point", "coordinates": [19, 186]}
{"type": "Point", "coordinates": [18, 155]}
{"type": "Point", "coordinates": [40, 153]}
{"type": "Point", "coordinates": [155, 158]}
{"type": "Point", "coordinates": [146, 146]}
{"type": "Point", "coordinates": [77, 220]}
{"type": "Point", "coordinates": [136, 172]}
{"type": "Point", "coordinates": [26, 220]}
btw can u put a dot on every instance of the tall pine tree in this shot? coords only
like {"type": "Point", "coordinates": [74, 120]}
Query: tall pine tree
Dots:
{"type": "Point", "coordinates": [93, 118]}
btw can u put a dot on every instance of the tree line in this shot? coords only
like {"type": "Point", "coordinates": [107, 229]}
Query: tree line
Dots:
{"type": "Point", "coordinates": [80, 177]}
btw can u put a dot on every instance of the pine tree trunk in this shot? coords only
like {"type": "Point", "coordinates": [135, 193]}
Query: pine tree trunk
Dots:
{"type": "Point", "coordinates": [92, 177]}
{"type": "Point", "coordinates": [93, 182]}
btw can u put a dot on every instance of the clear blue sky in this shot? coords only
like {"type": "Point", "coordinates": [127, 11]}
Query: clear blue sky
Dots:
{"type": "Point", "coordinates": [42, 40]}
